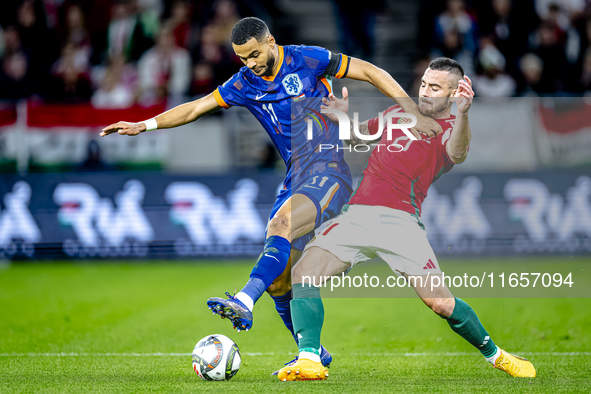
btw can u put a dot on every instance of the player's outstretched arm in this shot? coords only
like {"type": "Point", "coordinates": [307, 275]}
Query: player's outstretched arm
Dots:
{"type": "Point", "coordinates": [457, 146]}
{"type": "Point", "coordinates": [178, 116]}
{"type": "Point", "coordinates": [365, 71]}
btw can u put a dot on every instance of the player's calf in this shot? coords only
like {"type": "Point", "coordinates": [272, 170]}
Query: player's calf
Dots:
{"type": "Point", "coordinates": [282, 284]}
{"type": "Point", "coordinates": [441, 306]}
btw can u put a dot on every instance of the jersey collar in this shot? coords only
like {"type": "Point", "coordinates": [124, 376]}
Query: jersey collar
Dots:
{"type": "Point", "coordinates": [272, 77]}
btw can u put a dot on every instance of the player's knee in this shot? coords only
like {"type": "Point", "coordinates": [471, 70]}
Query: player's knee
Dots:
{"type": "Point", "coordinates": [305, 266]}
{"type": "Point", "coordinates": [279, 225]}
{"type": "Point", "coordinates": [441, 306]}
{"type": "Point", "coordinates": [280, 286]}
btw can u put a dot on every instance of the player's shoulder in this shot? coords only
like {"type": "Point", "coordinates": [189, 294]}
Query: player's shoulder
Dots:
{"type": "Point", "coordinates": [309, 51]}
{"type": "Point", "coordinates": [240, 75]}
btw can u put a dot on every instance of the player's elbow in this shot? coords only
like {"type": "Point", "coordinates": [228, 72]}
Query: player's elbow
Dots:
{"type": "Point", "coordinates": [457, 154]}
{"type": "Point", "coordinates": [458, 158]}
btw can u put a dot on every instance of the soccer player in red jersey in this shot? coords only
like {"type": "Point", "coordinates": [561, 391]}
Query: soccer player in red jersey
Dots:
{"type": "Point", "coordinates": [382, 220]}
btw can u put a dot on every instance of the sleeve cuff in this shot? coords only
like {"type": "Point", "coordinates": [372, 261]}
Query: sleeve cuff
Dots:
{"type": "Point", "coordinates": [219, 99]}
{"type": "Point", "coordinates": [344, 68]}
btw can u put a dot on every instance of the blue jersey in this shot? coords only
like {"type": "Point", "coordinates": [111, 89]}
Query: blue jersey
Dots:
{"type": "Point", "coordinates": [285, 101]}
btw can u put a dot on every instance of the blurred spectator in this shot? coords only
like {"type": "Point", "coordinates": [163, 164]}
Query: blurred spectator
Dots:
{"type": "Point", "coordinates": [164, 70]}
{"type": "Point", "coordinates": [70, 86]}
{"type": "Point", "coordinates": [15, 75]}
{"type": "Point", "coordinates": [52, 12]}
{"type": "Point", "coordinates": [531, 67]}
{"type": "Point", "coordinates": [456, 35]}
{"type": "Point", "coordinates": [203, 79]}
{"type": "Point", "coordinates": [356, 26]}
{"type": "Point", "coordinates": [585, 79]}
{"type": "Point", "coordinates": [76, 32]}
{"type": "Point", "coordinates": [559, 12]}
{"type": "Point", "coordinates": [510, 23]}
{"type": "Point", "coordinates": [553, 57]}
{"type": "Point", "coordinates": [501, 26]}
{"type": "Point", "coordinates": [225, 16]}
{"type": "Point", "coordinates": [149, 16]}
{"type": "Point", "coordinates": [70, 83]}
{"type": "Point", "coordinates": [37, 40]}
{"type": "Point", "coordinates": [180, 22]}
{"type": "Point", "coordinates": [71, 56]}
{"type": "Point", "coordinates": [558, 22]}
{"type": "Point", "coordinates": [210, 51]}
{"type": "Point", "coordinates": [31, 25]}
{"type": "Point", "coordinates": [127, 34]}
{"type": "Point", "coordinates": [114, 90]}
{"type": "Point", "coordinates": [494, 82]}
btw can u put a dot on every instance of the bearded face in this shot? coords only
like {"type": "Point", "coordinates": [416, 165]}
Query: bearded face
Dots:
{"type": "Point", "coordinates": [433, 106]}
{"type": "Point", "coordinates": [257, 56]}
{"type": "Point", "coordinates": [437, 89]}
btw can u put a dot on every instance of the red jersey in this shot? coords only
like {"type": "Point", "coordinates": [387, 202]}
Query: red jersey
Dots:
{"type": "Point", "coordinates": [399, 177]}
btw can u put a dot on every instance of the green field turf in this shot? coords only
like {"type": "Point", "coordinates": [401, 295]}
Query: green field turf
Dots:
{"type": "Point", "coordinates": [79, 327]}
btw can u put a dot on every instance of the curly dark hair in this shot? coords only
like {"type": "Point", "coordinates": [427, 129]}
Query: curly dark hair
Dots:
{"type": "Point", "coordinates": [247, 28]}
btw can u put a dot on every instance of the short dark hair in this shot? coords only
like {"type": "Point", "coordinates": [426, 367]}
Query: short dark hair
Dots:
{"type": "Point", "coordinates": [247, 28]}
{"type": "Point", "coordinates": [447, 64]}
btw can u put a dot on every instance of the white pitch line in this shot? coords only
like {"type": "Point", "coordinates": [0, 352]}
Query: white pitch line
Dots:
{"type": "Point", "coordinates": [583, 354]}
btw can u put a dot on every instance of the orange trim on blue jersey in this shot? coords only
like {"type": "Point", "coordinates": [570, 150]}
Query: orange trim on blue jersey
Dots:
{"type": "Point", "coordinates": [330, 198]}
{"type": "Point", "coordinates": [272, 77]}
{"type": "Point", "coordinates": [344, 67]}
{"type": "Point", "coordinates": [219, 99]}
{"type": "Point", "coordinates": [325, 82]}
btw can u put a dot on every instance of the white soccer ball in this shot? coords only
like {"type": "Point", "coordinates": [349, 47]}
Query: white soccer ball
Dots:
{"type": "Point", "coordinates": [216, 357]}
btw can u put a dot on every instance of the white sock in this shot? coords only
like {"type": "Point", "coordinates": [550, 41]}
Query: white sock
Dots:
{"type": "Point", "coordinates": [310, 356]}
{"type": "Point", "coordinates": [246, 300]}
{"type": "Point", "coordinates": [493, 359]}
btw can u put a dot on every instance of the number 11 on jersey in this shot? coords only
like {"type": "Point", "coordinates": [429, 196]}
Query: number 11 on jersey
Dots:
{"type": "Point", "coordinates": [271, 113]}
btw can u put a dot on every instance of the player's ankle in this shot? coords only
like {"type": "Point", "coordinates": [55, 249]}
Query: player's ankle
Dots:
{"type": "Point", "coordinates": [493, 359]}
{"type": "Point", "coordinates": [246, 300]}
{"type": "Point", "coordinates": [310, 354]}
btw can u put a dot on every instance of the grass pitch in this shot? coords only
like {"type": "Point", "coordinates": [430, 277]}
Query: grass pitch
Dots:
{"type": "Point", "coordinates": [79, 327]}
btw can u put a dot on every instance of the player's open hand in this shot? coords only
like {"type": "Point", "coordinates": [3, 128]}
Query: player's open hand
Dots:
{"type": "Point", "coordinates": [464, 95]}
{"type": "Point", "coordinates": [332, 102]}
{"type": "Point", "coordinates": [124, 128]}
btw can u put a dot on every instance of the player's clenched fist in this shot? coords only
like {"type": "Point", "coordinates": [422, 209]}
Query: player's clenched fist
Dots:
{"type": "Point", "coordinates": [425, 125]}
{"type": "Point", "coordinates": [124, 128]}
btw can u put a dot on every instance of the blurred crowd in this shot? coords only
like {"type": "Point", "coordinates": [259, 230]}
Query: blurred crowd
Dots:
{"type": "Point", "coordinates": [116, 53]}
{"type": "Point", "coordinates": [512, 47]}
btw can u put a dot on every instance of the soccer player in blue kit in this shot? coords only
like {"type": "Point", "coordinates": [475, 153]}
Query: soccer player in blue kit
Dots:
{"type": "Point", "coordinates": [316, 186]}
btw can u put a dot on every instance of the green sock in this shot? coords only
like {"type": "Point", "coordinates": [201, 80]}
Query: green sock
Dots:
{"type": "Point", "coordinates": [307, 314]}
{"type": "Point", "coordinates": [466, 324]}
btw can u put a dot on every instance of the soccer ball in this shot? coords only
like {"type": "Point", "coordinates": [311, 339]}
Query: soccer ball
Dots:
{"type": "Point", "coordinates": [216, 357]}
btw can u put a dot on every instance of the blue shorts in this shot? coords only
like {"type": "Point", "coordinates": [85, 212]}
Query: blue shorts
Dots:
{"type": "Point", "coordinates": [327, 190]}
